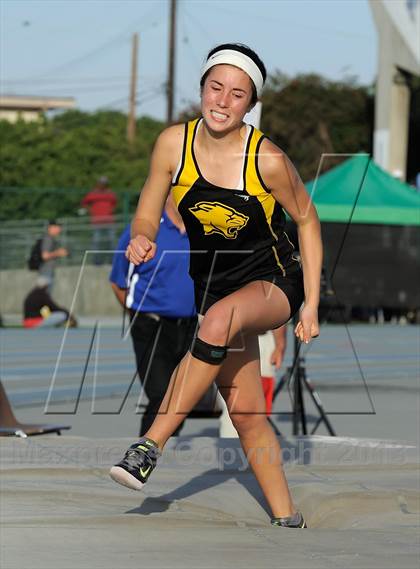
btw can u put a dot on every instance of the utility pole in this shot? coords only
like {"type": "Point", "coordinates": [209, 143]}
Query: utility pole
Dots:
{"type": "Point", "coordinates": [171, 59]}
{"type": "Point", "coordinates": [131, 121]}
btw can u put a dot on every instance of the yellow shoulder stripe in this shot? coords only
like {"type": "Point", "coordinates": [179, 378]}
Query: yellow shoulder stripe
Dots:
{"type": "Point", "coordinates": [188, 174]}
{"type": "Point", "coordinates": [255, 186]}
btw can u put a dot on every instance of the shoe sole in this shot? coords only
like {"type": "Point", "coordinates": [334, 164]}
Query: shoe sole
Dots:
{"type": "Point", "coordinates": [124, 478]}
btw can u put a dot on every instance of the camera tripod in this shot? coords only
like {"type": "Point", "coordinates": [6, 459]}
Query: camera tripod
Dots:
{"type": "Point", "coordinates": [295, 376]}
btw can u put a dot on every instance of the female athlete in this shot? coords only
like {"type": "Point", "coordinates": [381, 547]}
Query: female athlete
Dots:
{"type": "Point", "coordinates": [231, 185]}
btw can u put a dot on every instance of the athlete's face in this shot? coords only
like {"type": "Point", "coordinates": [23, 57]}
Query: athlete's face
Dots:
{"type": "Point", "coordinates": [226, 97]}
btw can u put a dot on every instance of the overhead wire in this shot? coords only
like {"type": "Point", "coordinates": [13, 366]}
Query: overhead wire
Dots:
{"type": "Point", "coordinates": [47, 81]}
{"type": "Point", "coordinates": [144, 97]}
{"type": "Point", "coordinates": [287, 22]}
{"type": "Point", "coordinates": [195, 61]}
{"type": "Point", "coordinates": [121, 37]}
{"type": "Point", "coordinates": [87, 88]}
{"type": "Point", "coordinates": [81, 59]}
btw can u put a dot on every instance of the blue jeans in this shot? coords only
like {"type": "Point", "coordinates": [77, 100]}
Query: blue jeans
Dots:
{"type": "Point", "coordinates": [54, 319]}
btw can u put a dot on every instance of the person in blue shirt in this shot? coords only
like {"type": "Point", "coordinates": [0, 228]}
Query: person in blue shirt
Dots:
{"type": "Point", "coordinates": [160, 298]}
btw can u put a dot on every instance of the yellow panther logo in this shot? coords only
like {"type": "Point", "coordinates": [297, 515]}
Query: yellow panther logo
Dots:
{"type": "Point", "coordinates": [218, 218]}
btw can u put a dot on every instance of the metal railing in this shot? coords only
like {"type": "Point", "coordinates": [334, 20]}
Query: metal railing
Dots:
{"type": "Point", "coordinates": [18, 237]}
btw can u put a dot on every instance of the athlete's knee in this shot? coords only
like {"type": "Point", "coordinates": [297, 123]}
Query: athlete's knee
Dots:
{"type": "Point", "coordinates": [249, 422]}
{"type": "Point", "coordinates": [214, 336]}
{"type": "Point", "coordinates": [217, 326]}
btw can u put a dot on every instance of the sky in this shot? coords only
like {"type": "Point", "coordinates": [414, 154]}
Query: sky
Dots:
{"type": "Point", "coordinates": [82, 48]}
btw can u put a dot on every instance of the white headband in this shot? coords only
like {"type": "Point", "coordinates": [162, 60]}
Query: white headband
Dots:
{"type": "Point", "coordinates": [238, 59]}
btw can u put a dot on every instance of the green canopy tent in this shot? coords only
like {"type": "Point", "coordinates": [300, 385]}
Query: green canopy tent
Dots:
{"type": "Point", "coordinates": [382, 199]}
{"type": "Point", "coordinates": [370, 227]}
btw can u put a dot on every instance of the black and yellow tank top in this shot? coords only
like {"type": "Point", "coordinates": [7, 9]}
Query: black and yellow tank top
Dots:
{"type": "Point", "coordinates": [236, 235]}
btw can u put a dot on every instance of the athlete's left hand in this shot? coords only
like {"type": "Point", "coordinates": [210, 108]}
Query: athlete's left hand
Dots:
{"type": "Point", "coordinates": [308, 327]}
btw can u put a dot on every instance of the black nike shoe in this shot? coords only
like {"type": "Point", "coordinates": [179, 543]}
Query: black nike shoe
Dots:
{"type": "Point", "coordinates": [137, 465]}
{"type": "Point", "coordinates": [295, 521]}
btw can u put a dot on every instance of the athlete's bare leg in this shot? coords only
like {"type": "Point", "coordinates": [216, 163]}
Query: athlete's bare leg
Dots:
{"type": "Point", "coordinates": [239, 382]}
{"type": "Point", "coordinates": [189, 382]}
{"type": "Point", "coordinates": [256, 307]}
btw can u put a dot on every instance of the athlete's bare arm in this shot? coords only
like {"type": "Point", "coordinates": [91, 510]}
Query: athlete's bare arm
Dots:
{"type": "Point", "coordinates": [287, 188]}
{"type": "Point", "coordinates": [145, 224]}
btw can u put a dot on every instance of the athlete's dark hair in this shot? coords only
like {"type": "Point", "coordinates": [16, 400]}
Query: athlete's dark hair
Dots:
{"type": "Point", "coordinates": [242, 48]}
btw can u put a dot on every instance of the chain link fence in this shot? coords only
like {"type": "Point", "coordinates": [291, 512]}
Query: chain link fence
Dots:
{"type": "Point", "coordinates": [18, 237]}
{"type": "Point", "coordinates": [20, 228]}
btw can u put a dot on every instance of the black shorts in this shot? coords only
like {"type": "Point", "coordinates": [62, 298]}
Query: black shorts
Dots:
{"type": "Point", "coordinates": [291, 285]}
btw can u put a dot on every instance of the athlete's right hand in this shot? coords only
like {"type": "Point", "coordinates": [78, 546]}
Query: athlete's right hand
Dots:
{"type": "Point", "coordinates": [140, 250]}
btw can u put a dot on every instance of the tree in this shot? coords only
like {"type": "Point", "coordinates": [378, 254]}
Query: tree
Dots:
{"type": "Point", "coordinates": [60, 158]}
{"type": "Point", "coordinates": [308, 116]}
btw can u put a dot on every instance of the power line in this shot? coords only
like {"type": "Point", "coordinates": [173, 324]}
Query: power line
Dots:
{"type": "Point", "coordinates": [64, 80]}
{"type": "Point", "coordinates": [113, 103]}
{"type": "Point", "coordinates": [286, 22]}
{"type": "Point", "coordinates": [78, 79]}
{"type": "Point", "coordinates": [156, 92]}
{"type": "Point", "coordinates": [192, 53]}
{"type": "Point", "coordinates": [198, 24]}
{"type": "Point", "coordinates": [122, 37]}
{"type": "Point", "coordinates": [91, 89]}
{"type": "Point", "coordinates": [111, 86]}
{"type": "Point", "coordinates": [77, 60]}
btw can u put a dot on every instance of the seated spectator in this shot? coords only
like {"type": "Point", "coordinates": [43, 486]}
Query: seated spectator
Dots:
{"type": "Point", "coordinates": [40, 310]}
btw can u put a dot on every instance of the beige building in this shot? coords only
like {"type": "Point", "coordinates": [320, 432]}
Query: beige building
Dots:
{"type": "Point", "coordinates": [398, 26]}
{"type": "Point", "coordinates": [28, 108]}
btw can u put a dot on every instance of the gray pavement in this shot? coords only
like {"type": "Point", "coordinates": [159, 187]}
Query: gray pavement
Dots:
{"type": "Point", "coordinates": [367, 378]}
{"type": "Point", "coordinates": [202, 507]}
